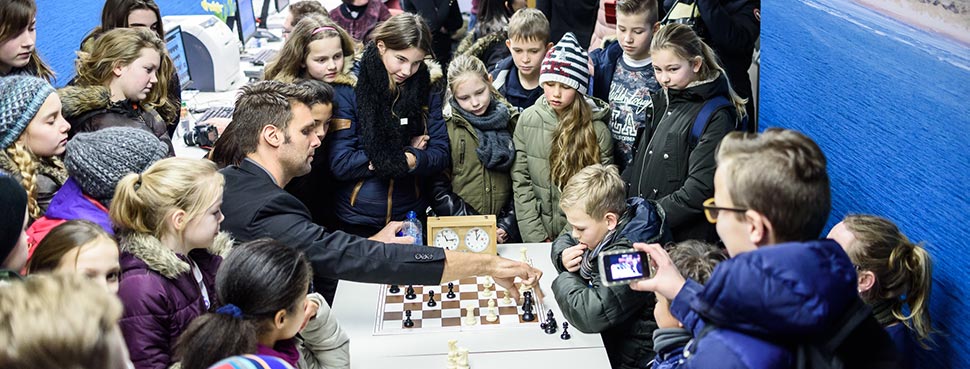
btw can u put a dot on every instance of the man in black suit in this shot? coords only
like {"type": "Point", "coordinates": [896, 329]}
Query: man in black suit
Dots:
{"type": "Point", "coordinates": [273, 127]}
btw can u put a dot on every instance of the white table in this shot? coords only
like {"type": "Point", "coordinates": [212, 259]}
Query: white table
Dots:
{"type": "Point", "coordinates": [355, 307]}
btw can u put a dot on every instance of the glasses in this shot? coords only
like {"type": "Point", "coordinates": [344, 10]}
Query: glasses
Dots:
{"type": "Point", "coordinates": [710, 210]}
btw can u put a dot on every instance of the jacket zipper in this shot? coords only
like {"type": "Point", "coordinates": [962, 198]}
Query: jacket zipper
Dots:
{"type": "Point", "coordinates": [649, 142]}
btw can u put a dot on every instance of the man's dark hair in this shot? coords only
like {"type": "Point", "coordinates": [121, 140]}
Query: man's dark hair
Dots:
{"type": "Point", "coordinates": [260, 104]}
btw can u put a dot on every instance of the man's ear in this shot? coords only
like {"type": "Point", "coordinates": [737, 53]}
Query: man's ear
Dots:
{"type": "Point", "coordinates": [867, 280]}
{"type": "Point", "coordinates": [272, 135]}
{"type": "Point", "coordinates": [612, 220]}
{"type": "Point", "coordinates": [759, 228]}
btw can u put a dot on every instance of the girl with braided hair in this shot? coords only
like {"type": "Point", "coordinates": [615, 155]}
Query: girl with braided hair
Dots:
{"type": "Point", "coordinates": [33, 135]}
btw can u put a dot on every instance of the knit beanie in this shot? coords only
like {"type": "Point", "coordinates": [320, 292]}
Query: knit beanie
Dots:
{"type": "Point", "coordinates": [13, 205]}
{"type": "Point", "coordinates": [20, 99]}
{"type": "Point", "coordinates": [98, 160]}
{"type": "Point", "coordinates": [566, 63]}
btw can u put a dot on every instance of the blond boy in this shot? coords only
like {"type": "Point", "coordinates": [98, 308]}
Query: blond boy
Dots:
{"type": "Point", "coordinates": [603, 219]}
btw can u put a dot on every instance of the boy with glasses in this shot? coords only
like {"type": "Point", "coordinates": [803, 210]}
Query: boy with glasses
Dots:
{"type": "Point", "coordinates": [784, 289]}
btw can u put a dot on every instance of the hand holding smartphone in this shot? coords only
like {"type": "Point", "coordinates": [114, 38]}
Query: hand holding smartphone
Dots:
{"type": "Point", "coordinates": [623, 267]}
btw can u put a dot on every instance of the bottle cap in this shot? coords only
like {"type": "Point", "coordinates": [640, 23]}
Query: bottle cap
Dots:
{"type": "Point", "coordinates": [412, 215]}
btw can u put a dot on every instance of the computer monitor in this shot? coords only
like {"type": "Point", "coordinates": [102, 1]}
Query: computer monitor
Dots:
{"type": "Point", "coordinates": [176, 51]}
{"type": "Point", "coordinates": [246, 20]}
{"type": "Point", "coordinates": [281, 4]}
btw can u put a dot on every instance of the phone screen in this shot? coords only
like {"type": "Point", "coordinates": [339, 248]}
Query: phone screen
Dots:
{"type": "Point", "coordinates": [625, 266]}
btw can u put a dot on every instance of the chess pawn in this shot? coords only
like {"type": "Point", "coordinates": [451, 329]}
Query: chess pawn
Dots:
{"type": "Point", "coordinates": [487, 293]}
{"type": "Point", "coordinates": [470, 318]}
{"type": "Point", "coordinates": [452, 354]}
{"type": "Point", "coordinates": [408, 323]}
{"type": "Point", "coordinates": [565, 333]}
{"type": "Point", "coordinates": [431, 301]}
{"type": "Point", "coordinates": [488, 282]}
{"type": "Point", "coordinates": [451, 290]}
{"type": "Point", "coordinates": [395, 288]}
{"type": "Point", "coordinates": [508, 298]}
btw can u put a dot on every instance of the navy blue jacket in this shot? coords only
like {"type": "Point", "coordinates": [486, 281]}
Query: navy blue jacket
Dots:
{"type": "Point", "coordinates": [604, 64]}
{"type": "Point", "coordinates": [763, 301]}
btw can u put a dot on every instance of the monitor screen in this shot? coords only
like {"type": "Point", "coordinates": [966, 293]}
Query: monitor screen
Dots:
{"type": "Point", "coordinates": [247, 19]}
{"type": "Point", "coordinates": [281, 4]}
{"type": "Point", "coordinates": [176, 51]}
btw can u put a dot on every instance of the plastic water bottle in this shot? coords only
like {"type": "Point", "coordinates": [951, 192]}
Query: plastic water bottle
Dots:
{"type": "Point", "coordinates": [412, 227]}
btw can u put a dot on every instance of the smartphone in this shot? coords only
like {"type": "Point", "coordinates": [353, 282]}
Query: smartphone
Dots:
{"type": "Point", "coordinates": [623, 267]}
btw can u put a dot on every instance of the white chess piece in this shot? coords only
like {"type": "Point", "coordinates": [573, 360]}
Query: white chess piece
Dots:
{"type": "Point", "coordinates": [508, 298]}
{"type": "Point", "coordinates": [452, 354]}
{"type": "Point", "coordinates": [470, 318]}
{"type": "Point", "coordinates": [488, 282]}
{"type": "Point", "coordinates": [487, 293]}
{"type": "Point", "coordinates": [491, 317]}
{"type": "Point", "coordinates": [525, 254]}
{"type": "Point", "coordinates": [463, 358]}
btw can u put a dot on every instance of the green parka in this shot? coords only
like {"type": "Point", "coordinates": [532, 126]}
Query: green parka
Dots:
{"type": "Point", "coordinates": [485, 190]}
{"type": "Point", "coordinates": [536, 197]}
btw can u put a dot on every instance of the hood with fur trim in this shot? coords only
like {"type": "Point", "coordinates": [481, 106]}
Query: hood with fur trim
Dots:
{"type": "Point", "coordinates": [166, 262]}
{"type": "Point", "coordinates": [349, 77]}
{"type": "Point", "coordinates": [76, 100]}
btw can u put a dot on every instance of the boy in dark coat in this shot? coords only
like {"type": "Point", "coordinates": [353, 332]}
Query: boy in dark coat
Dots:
{"type": "Point", "coordinates": [517, 76]}
{"type": "Point", "coordinates": [783, 289]}
{"type": "Point", "coordinates": [623, 75]}
{"type": "Point", "coordinates": [603, 219]}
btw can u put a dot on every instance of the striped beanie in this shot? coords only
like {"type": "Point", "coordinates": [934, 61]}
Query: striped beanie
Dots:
{"type": "Point", "coordinates": [566, 63]}
{"type": "Point", "coordinates": [20, 99]}
{"type": "Point", "coordinates": [251, 362]}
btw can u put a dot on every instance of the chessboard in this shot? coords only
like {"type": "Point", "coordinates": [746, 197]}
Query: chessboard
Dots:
{"type": "Point", "coordinates": [449, 314]}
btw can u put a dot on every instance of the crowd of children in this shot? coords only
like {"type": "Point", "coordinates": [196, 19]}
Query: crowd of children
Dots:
{"type": "Point", "coordinates": [365, 117]}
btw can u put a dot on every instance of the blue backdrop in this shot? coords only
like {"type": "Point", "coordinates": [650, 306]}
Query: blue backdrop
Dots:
{"type": "Point", "coordinates": [888, 103]}
{"type": "Point", "coordinates": [62, 24]}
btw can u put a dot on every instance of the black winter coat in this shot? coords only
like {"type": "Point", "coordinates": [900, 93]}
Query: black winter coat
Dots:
{"type": "Point", "coordinates": [667, 168]}
{"type": "Point", "coordinates": [255, 207]}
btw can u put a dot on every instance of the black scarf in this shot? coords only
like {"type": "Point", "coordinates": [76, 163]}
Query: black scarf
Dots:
{"type": "Point", "coordinates": [495, 149]}
{"type": "Point", "coordinates": [380, 112]}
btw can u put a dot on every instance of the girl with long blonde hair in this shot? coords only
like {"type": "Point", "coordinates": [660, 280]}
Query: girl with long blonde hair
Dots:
{"type": "Point", "coordinates": [167, 220]}
{"type": "Point", "coordinates": [120, 83]}
{"type": "Point", "coordinates": [564, 132]}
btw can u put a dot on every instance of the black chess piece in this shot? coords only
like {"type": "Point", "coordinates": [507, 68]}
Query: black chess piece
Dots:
{"type": "Point", "coordinates": [395, 288]}
{"type": "Point", "coordinates": [408, 323]}
{"type": "Point", "coordinates": [527, 300]}
{"type": "Point", "coordinates": [431, 301]}
{"type": "Point", "coordinates": [528, 315]}
{"type": "Point", "coordinates": [551, 320]}
{"type": "Point", "coordinates": [565, 333]}
{"type": "Point", "coordinates": [409, 293]}
{"type": "Point", "coordinates": [451, 290]}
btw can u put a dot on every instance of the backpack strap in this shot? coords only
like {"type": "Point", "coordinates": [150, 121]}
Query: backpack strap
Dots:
{"type": "Point", "coordinates": [705, 115]}
{"type": "Point", "coordinates": [849, 322]}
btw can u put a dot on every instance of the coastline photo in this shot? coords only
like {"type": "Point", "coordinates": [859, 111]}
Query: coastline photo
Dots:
{"type": "Point", "coordinates": [949, 18]}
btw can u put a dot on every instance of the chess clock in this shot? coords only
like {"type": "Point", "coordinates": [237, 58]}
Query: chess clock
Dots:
{"type": "Point", "coordinates": [469, 233]}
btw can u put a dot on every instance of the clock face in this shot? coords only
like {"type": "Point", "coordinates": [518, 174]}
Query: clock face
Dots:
{"type": "Point", "coordinates": [476, 240]}
{"type": "Point", "coordinates": [446, 238]}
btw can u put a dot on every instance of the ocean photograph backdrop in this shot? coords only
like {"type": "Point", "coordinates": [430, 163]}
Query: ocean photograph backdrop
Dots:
{"type": "Point", "coordinates": [889, 102]}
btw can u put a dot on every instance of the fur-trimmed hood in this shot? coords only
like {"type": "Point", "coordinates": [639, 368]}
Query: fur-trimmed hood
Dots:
{"type": "Point", "coordinates": [477, 48]}
{"type": "Point", "coordinates": [76, 100]}
{"type": "Point", "coordinates": [166, 262]}
{"type": "Point", "coordinates": [349, 76]}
